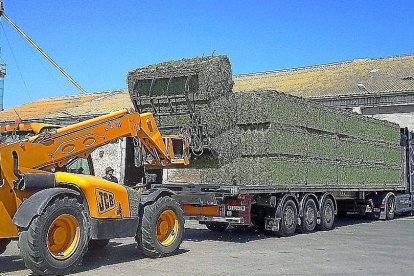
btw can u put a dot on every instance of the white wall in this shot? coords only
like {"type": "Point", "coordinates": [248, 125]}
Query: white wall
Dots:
{"type": "Point", "coordinates": [109, 156]}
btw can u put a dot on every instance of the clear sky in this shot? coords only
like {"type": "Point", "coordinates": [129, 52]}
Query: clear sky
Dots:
{"type": "Point", "coordinates": [98, 42]}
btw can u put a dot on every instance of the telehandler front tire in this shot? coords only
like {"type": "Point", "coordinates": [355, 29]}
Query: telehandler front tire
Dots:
{"type": "Point", "coordinates": [161, 229]}
{"type": "Point", "coordinates": [56, 241]}
{"type": "Point", "coordinates": [3, 245]}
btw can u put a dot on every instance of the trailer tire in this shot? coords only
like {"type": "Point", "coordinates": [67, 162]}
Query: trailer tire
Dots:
{"type": "Point", "coordinates": [390, 207]}
{"type": "Point", "coordinates": [310, 217]}
{"type": "Point", "coordinates": [327, 215]}
{"type": "Point", "coordinates": [56, 241]}
{"type": "Point", "coordinates": [97, 244]}
{"type": "Point", "coordinates": [3, 245]}
{"type": "Point", "coordinates": [161, 229]}
{"type": "Point", "coordinates": [217, 226]}
{"type": "Point", "coordinates": [289, 219]}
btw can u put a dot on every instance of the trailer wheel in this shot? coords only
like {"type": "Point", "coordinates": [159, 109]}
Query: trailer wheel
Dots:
{"type": "Point", "coordinates": [310, 216]}
{"type": "Point", "coordinates": [390, 207]}
{"type": "Point", "coordinates": [56, 241]}
{"type": "Point", "coordinates": [327, 215]}
{"type": "Point", "coordinates": [289, 219]}
{"type": "Point", "coordinates": [161, 228]}
{"type": "Point", "coordinates": [3, 245]}
{"type": "Point", "coordinates": [97, 244]}
{"type": "Point", "coordinates": [217, 226]}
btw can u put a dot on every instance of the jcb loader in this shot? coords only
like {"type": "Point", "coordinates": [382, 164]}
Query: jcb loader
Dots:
{"type": "Point", "coordinates": [55, 213]}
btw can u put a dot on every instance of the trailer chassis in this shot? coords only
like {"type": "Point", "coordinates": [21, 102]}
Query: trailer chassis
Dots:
{"type": "Point", "coordinates": [280, 209]}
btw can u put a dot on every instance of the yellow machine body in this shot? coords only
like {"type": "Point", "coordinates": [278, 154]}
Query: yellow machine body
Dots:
{"type": "Point", "coordinates": [50, 148]}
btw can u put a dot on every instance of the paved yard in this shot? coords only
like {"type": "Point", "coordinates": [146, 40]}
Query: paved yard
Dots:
{"type": "Point", "coordinates": [355, 247]}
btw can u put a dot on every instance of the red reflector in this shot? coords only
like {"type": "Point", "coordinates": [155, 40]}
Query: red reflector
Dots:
{"type": "Point", "coordinates": [233, 202]}
{"type": "Point", "coordinates": [18, 121]}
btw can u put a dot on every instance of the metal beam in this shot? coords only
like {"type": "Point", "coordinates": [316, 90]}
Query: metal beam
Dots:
{"type": "Point", "coordinates": [27, 37]}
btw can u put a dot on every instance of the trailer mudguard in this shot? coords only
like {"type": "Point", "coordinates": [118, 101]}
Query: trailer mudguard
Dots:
{"type": "Point", "coordinates": [278, 213]}
{"type": "Point", "coordinates": [322, 201]}
{"type": "Point", "coordinates": [35, 205]}
{"type": "Point", "coordinates": [151, 195]}
{"type": "Point", "coordinates": [304, 199]}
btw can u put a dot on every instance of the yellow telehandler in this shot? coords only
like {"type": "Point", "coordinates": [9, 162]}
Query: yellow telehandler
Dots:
{"type": "Point", "coordinates": [56, 213]}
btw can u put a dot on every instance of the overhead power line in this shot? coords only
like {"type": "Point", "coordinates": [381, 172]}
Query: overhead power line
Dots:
{"type": "Point", "coordinates": [27, 37]}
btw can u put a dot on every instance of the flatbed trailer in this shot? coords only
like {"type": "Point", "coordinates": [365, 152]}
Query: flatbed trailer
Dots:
{"type": "Point", "coordinates": [269, 208]}
{"type": "Point", "coordinates": [283, 209]}
{"type": "Point", "coordinates": [269, 159]}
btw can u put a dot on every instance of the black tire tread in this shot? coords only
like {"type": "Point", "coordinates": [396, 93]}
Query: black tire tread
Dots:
{"type": "Point", "coordinates": [29, 250]}
{"type": "Point", "coordinates": [322, 226]}
{"type": "Point", "coordinates": [144, 234]}
{"type": "Point", "coordinates": [282, 231]}
{"type": "Point", "coordinates": [390, 216]}
{"type": "Point", "coordinates": [302, 228]}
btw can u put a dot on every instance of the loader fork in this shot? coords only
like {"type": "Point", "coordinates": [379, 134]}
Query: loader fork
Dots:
{"type": "Point", "coordinates": [155, 95]}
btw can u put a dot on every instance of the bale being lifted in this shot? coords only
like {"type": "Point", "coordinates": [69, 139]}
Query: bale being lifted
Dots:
{"type": "Point", "coordinates": [182, 96]}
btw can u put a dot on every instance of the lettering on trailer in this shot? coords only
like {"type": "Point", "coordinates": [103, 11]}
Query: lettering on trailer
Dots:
{"type": "Point", "coordinates": [236, 208]}
{"type": "Point", "coordinates": [105, 201]}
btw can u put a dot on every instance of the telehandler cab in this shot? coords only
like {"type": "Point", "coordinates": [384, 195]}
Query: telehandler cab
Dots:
{"type": "Point", "coordinates": [56, 214]}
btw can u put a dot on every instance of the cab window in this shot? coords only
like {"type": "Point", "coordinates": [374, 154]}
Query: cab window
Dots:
{"type": "Point", "coordinates": [80, 166]}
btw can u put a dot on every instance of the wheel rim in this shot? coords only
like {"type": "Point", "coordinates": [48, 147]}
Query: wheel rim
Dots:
{"type": "Point", "coordinates": [63, 237]}
{"type": "Point", "coordinates": [391, 205]}
{"type": "Point", "coordinates": [310, 215]}
{"type": "Point", "coordinates": [328, 213]}
{"type": "Point", "coordinates": [167, 227]}
{"type": "Point", "coordinates": [289, 217]}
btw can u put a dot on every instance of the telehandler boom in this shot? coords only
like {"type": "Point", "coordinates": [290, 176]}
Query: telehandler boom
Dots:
{"type": "Point", "coordinates": [55, 214]}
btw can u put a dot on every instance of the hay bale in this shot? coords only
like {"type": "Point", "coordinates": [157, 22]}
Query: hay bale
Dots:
{"type": "Point", "coordinates": [210, 77]}
{"type": "Point", "coordinates": [265, 137]}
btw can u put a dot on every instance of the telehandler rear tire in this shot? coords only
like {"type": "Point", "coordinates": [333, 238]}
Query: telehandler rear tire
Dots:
{"type": "Point", "coordinates": [56, 241]}
{"type": "Point", "coordinates": [3, 245]}
{"type": "Point", "coordinates": [161, 228]}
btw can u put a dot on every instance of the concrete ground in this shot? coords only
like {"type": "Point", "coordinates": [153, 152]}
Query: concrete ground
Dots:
{"type": "Point", "coordinates": [355, 247]}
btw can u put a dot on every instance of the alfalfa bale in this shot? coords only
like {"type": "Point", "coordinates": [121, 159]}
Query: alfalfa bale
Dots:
{"type": "Point", "coordinates": [211, 77]}
{"type": "Point", "coordinates": [258, 171]}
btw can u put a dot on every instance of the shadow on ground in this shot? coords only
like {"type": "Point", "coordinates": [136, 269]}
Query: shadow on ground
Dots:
{"type": "Point", "coordinates": [113, 254]}
{"type": "Point", "coordinates": [117, 253]}
{"type": "Point", "coordinates": [253, 234]}
{"type": "Point", "coordinates": [11, 264]}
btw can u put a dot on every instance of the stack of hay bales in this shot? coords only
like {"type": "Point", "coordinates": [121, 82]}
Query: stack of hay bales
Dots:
{"type": "Point", "coordinates": [285, 140]}
{"type": "Point", "coordinates": [267, 138]}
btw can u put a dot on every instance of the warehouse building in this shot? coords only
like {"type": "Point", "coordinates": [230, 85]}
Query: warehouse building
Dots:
{"type": "Point", "coordinates": [378, 87]}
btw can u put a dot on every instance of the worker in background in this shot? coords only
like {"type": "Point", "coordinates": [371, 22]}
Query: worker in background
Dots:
{"type": "Point", "coordinates": [109, 175]}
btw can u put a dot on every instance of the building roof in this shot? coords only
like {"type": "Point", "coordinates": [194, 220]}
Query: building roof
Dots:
{"type": "Point", "coordinates": [70, 106]}
{"type": "Point", "coordinates": [360, 76]}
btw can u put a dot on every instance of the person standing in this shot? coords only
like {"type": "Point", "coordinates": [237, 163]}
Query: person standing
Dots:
{"type": "Point", "coordinates": [109, 175]}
